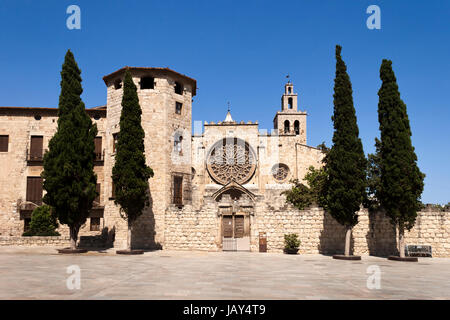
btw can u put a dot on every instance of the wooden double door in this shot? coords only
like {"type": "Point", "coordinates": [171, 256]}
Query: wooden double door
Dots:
{"type": "Point", "coordinates": [236, 232]}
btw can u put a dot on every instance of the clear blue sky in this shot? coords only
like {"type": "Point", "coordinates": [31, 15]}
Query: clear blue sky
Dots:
{"type": "Point", "coordinates": [240, 51]}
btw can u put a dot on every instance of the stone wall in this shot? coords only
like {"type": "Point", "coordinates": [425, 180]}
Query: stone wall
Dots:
{"type": "Point", "coordinates": [199, 229]}
{"type": "Point", "coordinates": [374, 234]}
{"type": "Point", "coordinates": [35, 241]}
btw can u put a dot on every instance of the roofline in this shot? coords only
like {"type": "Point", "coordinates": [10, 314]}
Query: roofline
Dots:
{"type": "Point", "coordinates": [96, 109]}
{"type": "Point", "coordinates": [168, 70]}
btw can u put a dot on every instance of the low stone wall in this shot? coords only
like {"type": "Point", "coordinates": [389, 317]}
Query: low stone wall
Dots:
{"type": "Point", "coordinates": [199, 229]}
{"type": "Point", "coordinates": [190, 229]}
{"type": "Point", "coordinates": [374, 234]}
{"type": "Point", "coordinates": [35, 241]}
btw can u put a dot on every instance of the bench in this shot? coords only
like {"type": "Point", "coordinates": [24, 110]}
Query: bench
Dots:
{"type": "Point", "coordinates": [418, 251]}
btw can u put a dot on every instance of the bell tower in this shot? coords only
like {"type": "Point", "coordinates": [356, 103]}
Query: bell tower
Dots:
{"type": "Point", "coordinates": [289, 100]}
{"type": "Point", "coordinates": [290, 121]}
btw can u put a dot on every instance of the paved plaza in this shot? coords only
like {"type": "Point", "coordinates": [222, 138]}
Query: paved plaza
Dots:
{"type": "Point", "coordinates": [41, 273]}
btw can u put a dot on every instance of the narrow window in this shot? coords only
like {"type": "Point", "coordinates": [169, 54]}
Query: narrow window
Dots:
{"type": "Point", "coordinates": [36, 148]}
{"type": "Point", "coordinates": [115, 137]}
{"type": "Point", "coordinates": [4, 140]}
{"type": "Point", "coordinates": [98, 148]}
{"type": "Point", "coordinates": [26, 224]}
{"type": "Point", "coordinates": [147, 83]}
{"type": "Point", "coordinates": [34, 190]}
{"type": "Point", "coordinates": [297, 127]}
{"type": "Point", "coordinates": [178, 88]}
{"type": "Point", "coordinates": [117, 84]}
{"type": "Point", "coordinates": [290, 103]}
{"type": "Point", "coordinates": [113, 190]}
{"type": "Point", "coordinates": [95, 224]}
{"type": "Point", "coordinates": [97, 198]}
{"type": "Point", "coordinates": [178, 190]}
{"type": "Point", "coordinates": [177, 143]}
{"type": "Point", "coordinates": [178, 106]}
{"type": "Point", "coordinates": [289, 90]}
{"type": "Point", "coordinates": [286, 126]}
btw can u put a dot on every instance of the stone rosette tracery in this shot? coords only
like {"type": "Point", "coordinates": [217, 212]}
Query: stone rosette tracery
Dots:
{"type": "Point", "coordinates": [231, 159]}
{"type": "Point", "coordinates": [280, 172]}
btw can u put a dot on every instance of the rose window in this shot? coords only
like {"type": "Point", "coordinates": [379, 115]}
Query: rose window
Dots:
{"type": "Point", "coordinates": [280, 172]}
{"type": "Point", "coordinates": [231, 159]}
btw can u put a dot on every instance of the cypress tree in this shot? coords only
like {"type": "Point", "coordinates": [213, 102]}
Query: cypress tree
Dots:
{"type": "Point", "coordinates": [69, 177]}
{"type": "Point", "coordinates": [401, 183]}
{"type": "Point", "coordinates": [130, 173]}
{"type": "Point", "coordinates": [345, 163]}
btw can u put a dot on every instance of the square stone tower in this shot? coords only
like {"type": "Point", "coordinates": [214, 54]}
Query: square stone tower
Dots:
{"type": "Point", "coordinates": [165, 97]}
{"type": "Point", "coordinates": [290, 121]}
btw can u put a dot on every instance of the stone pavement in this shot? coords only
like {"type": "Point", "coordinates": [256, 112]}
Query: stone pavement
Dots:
{"type": "Point", "coordinates": [41, 273]}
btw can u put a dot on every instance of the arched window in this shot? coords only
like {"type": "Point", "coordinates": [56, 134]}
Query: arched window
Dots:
{"type": "Point", "coordinates": [297, 127]}
{"type": "Point", "coordinates": [286, 126]}
{"type": "Point", "coordinates": [289, 90]}
{"type": "Point", "coordinates": [290, 103]}
{"type": "Point", "coordinates": [177, 141]}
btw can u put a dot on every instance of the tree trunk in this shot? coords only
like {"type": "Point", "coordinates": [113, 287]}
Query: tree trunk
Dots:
{"type": "Point", "coordinates": [401, 239]}
{"type": "Point", "coordinates": [73, 237]}
{"type": "Point", "coordinates": [348, 236]}
{"type": "Point", "coordinates": [129, 236]}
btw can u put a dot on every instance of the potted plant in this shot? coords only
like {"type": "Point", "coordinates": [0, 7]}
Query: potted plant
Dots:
{"type": "Point", "coordinates": [291, 243]}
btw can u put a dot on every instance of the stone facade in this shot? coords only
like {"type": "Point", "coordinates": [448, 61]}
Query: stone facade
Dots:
{"type": "Point", "coordinates": [218, 189]}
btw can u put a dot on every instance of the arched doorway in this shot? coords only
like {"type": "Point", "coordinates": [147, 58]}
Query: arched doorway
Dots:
{"type": "Point", "coordinates": [235, 210]}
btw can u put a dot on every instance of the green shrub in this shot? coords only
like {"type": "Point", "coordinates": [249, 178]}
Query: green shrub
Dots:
{"type": "Point", "coordinates": [43, 223]}
{"type": "Point", "coordinates": [291, 241]}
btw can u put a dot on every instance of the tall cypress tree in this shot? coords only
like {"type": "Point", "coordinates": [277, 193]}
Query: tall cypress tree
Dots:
{"type": "Point", "coordinates": [130, 173]}
{"type": "Point", "coordinates": [69, 177]}
{"type": "Point", "coordinates": [345, 163]}
{"type": "Point", "coordinates": [401, 180]}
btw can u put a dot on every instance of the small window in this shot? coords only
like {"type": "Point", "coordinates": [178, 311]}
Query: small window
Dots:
{"type": "Point", "coordinates": [113, 190]}
{"type": "Point", "coordinates": [290, 103]}
{"type": "Point", "coordinates": [289, 90]}
{"type": "Point", "coordinates": [178, 107]}
{"type": "Point", "coordinates": [36, 148]}
{"type": "Point", "coordinates": [178, 190]}
{"type": "Point", "coordinates": [297, 127]}
{"type": "Point", "coordinates": [95, 224]}
{"type": "Point", "coordinates": [96, 116]}
{"type": "Point", "coordinates": [37, 117]}
{"type": "Point", "coordinates": [287, 128]}
{"type": "Point", "coordinates": [177, 144]}
{"type": "Point", "coordinates": [26, 224]}
{"type": "Point", "coordinates": [97, 198]}
{"type": "Point", "coordinates": [115, 137]}
{"type": "Point", "coordinates": [178, 88]}
{"type": "Point", "coordinates": [98, 148]}
{"type": "Point", "coordinates": [117, 84]}
{"type": "Point", "coordinates": [4, 140]}
{"type": "Point", "coordinates": [147, 83]}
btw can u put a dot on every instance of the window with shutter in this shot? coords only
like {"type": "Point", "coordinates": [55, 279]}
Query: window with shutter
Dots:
{"type": "Point", "coordinates": [34, 190]}
{"type": "Point", "coordinates": [36, 148]}
{"type": "Point", "coordinates": [97, 199]}
{"type": "Point", "coordinates": [98, 148]}
{"type": "Point", "coordinates": [4, 140]}
{"type": "Point", "coordinates": [178, 190]}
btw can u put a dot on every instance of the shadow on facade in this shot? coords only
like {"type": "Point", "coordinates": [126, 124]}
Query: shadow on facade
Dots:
{"type": "Point", "coordinates": [143, 232]}
{"type": "Point", "coordinates": [332, 237]}
{"type": "Point", "coordinates": [381, 237]}
{"type": "Point", "coordinates": [105, 240]}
